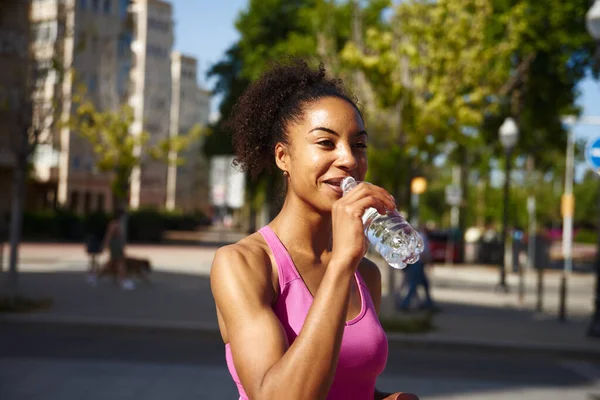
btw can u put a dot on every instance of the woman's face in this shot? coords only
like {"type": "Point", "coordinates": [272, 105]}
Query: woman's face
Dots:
{"type": "Point", "coordinates": [329, 144]}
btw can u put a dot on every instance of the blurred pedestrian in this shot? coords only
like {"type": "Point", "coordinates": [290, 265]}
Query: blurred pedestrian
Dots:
{"type": "Point", "coordinates": [114, 241]}
{"type": "Point", "coordinates": [4, 229]}
{"type": "Point", "coordinates": [518, 241]}
{"type": "Point", "coordinates": [297, 301]}
{"type": "Point", "coordinates": [93, 243]}
{"type": "Point", "coordinates": [416, 276]}
{"type": "Point", "coordinates": [491, 249]}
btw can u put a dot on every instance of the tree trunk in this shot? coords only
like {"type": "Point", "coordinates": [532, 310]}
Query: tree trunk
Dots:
{"type": "Point", "coordinates": [462, 220]}
{"type": "Point", "coordinates": [16, 225]}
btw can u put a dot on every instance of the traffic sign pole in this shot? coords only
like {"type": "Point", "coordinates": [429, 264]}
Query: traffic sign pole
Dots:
{"type": "Point", "coordinates": [592, 157]}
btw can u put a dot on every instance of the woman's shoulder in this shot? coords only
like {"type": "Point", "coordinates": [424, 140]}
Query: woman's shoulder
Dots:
{"type": "Point", "coordinates": [370, 273]}
{"type": "Point", "coordinates": [252, 249]}
{"type": "Point", "coordinates": [247, 260]}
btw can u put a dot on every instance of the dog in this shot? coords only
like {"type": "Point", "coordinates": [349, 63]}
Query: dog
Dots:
{"type": "Point", "coordinates": [134, 267]}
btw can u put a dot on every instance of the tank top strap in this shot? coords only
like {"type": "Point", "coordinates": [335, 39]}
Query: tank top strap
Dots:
{"type": "Point", "coordinates": [360, 279]}
{"type": "Point", "coordinates": [285, 265]}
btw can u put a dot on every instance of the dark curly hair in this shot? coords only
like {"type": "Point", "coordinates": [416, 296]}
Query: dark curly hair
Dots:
{"type": "Point", "coordinates": [260, 118]}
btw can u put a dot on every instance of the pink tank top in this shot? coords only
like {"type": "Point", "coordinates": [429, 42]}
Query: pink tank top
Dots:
{"type": "Point", "coordinates": [364, 350]}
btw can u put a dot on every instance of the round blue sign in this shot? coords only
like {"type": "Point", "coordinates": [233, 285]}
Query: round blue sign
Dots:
{"type": "Point", "coordinates": [592, 153]}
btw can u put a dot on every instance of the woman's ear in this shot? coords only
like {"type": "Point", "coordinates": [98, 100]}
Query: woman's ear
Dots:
{"type": "Point", "coordinates": [282, 157]}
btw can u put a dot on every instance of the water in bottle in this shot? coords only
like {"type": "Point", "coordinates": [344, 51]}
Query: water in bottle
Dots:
{"type": "Point", "coordinates": [391, 235]}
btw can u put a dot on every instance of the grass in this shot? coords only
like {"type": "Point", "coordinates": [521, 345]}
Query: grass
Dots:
{"type": "Point", "coordinates": [21, 304]}
{"type": "Point", "coordinates": [413, 324]}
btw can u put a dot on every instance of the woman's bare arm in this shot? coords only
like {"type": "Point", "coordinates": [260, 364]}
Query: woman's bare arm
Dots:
{"type": "Point", "coordinates": [268, 368]}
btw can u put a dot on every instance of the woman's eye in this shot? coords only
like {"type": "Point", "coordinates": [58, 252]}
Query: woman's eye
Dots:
{"type": "Point", "coordinates": [360, 145]}
{"type": "Point", "coordinates": [326, 143]}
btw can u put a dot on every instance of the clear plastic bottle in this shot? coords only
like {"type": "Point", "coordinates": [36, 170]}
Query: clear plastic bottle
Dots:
{"type": "Point", "coordinates": [391, 235]}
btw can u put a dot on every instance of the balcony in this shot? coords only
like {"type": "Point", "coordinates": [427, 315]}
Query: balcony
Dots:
{"type": "Point", "coordinates": [44, 10]}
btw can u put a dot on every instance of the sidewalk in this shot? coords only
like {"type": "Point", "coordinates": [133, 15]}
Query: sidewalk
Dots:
{"type": "Point", "coordinates": [474, 316]}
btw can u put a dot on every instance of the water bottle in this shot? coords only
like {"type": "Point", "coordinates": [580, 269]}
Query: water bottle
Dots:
{"type": "Point", "coordinates": [391, 235]}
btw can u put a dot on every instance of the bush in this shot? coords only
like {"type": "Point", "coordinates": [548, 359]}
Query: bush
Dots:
{"type": "Point", "coordinates": [145, 225]}
{"type": "Point", "coordinates": [39, 225]}
{"type": "Point", "coordinates": [586, 236]}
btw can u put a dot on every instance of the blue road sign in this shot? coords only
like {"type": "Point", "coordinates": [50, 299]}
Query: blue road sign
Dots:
{"type": "Point", "coordinates": [592, 153]}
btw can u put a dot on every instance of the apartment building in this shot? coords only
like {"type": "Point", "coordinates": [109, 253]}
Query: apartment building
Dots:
{"type": "Point", "coordinates": [14, 41]}
{"type": "Point", "coordinates": [90, 40]}
{"type": "Point", "coordinates": [151, 94]}
{"type": "Point", "coordinates": [187, 184]}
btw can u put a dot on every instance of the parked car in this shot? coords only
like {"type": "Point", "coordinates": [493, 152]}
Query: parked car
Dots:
{"type": "Point", "coordinates": [438, 245]}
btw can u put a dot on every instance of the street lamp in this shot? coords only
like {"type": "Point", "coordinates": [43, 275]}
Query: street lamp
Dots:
{"type": "Point", "coordinates": [417, 187]}
{"type": "Point", "coordinates": [593, 26]}
{"type": "Point", "coordinates": [592, 20]}
{"type": "Point", "coordinates": [509, 133]}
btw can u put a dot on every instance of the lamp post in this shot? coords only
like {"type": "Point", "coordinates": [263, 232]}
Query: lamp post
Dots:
{"type": "Point", "coordinates": [417, 187]}
{"type": "Point", "coordinates": [593, 26]}
{"type": "Point", "coordinates": [509, 133]}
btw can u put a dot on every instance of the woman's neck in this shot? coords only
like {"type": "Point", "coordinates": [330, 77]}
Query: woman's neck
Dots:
{"type": "Point", "coordinates": [303, 228]}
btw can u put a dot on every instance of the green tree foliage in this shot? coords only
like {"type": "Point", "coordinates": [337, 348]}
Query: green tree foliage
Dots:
{"type": "Point", "coordinates": [271, 30]}
{"type": "Point", "coordinates": [554, 52]}
{"type": "Point", "coordinates": [230, 84]}
{"type": "Point", "coordinates": [436, 80]}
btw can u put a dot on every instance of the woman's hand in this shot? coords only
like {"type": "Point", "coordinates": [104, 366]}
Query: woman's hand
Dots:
{"type": "Point", "coordinates": [349, 242]}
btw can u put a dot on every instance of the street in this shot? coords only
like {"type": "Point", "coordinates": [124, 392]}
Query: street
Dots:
{"type": "Point", "coordinates": [58, 363]}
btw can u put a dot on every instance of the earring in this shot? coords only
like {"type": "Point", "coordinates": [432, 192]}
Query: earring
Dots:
{"type": "Point", "coordinates": [286, 174]}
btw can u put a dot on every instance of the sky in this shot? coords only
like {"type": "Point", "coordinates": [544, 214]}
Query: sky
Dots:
{"type": "Point", "coordinates": [205, 29]}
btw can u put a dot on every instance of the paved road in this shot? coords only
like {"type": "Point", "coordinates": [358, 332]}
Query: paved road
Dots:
{"type": "Point", "coordinates": [54, 363]}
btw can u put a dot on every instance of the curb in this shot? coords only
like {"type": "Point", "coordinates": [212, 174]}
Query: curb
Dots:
{"type": "Point", "coordinates": [499, 347]}
{"type": "Point", "coordinates": [431, 341]}
{"type": "Point", "coordinates": [111, 325]}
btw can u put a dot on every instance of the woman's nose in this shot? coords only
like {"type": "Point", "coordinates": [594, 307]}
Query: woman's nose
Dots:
{"type": "Point", "coordinates": [346, 158]}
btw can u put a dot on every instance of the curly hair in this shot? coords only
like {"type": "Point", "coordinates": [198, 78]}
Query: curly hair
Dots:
{"type": "Point", "coordinates": [261, 116]}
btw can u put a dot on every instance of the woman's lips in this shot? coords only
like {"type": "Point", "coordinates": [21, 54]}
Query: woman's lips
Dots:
{"type": "Point", "coordinates": [335, 187]}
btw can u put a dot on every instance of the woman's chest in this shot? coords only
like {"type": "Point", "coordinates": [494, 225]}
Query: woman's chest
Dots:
{"type": "Point", "coordinates": [311, 276]}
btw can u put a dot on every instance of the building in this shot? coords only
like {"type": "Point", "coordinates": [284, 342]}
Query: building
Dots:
{"type": "Point", "coordinates": [187, 184]}
{"type": "Point", "coordinates": [151, 94]}
{"type": "Point", "coordinates": [14, 57]}
{"type": "Point", "coordinates": [90, 40]}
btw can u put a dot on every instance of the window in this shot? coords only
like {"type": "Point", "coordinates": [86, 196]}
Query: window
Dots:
{"type": "Point", "coordinates": [123, 5]}
{"type": "Point", "coordinates": [157, 52]}
{"type": "Point", "coordinates": [76, 164]}
{"type": "Point", "coordinates": [83, 4]}
{"type": "Point", "coordinates": [100, 203]}
{"type": "Point", "coordinates": [93, 83]}
{"type": "Point", "coordinates": [158, 25]}
{"type": "Point", "coordinates": [107, 6]}
{"type": "Point", "coordinates": [74, 202]}
{"type": "Point", "coordinates": [123, 80]}
{"type": "Point", "coordinates": [123, 45]}
{"type": "Point", "coordinates": [96, 5]}
{"type": "Point", "coordinates": [87, 202]}
{"type": "Point", "coordinates": [45, 31]}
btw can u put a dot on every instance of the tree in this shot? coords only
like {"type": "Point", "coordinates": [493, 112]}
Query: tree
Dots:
{"type": "Point", "coordinates": [436, 73]}
{"type": "Point", "coordinates": [553, 54]}
{"type": "Point", "coordinates": [271, 30]}
{"type": "Point", "coordinates": [230, 85]}
{"type": "Point", "coordinates": [34, 115]}
{"type": "Point", "coordinates": [116, 150]}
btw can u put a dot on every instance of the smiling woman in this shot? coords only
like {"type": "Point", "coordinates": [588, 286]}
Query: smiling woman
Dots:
{"type": "Point", "coordinates": [297, 302]}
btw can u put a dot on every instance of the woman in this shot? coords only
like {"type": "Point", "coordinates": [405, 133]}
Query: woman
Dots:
{"type": "Point", "coordinates": [297, 302]}
{"type": "Point", "coordinates": [114, 241]}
